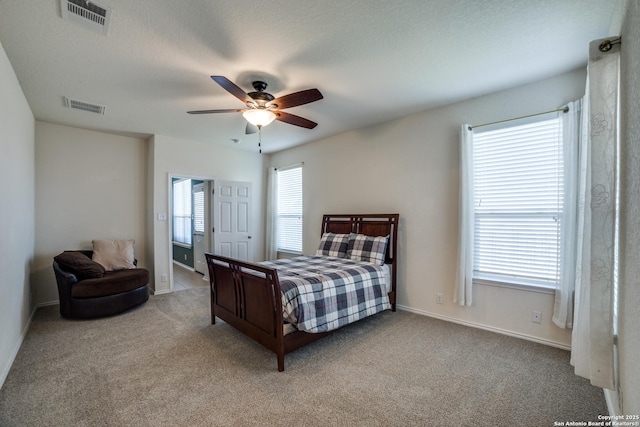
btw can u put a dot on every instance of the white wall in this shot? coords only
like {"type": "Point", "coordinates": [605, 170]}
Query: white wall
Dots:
{"type": "Point", "coordinates": [94, 185]}
{"type": "Point", "coordinates": [177, 157]}
{"type": "Point", "coordinates": [410, 166]}
{"type": "Point", "coordinates": [89, 185]}
{"type": "Point", "coordinates": [17, 198]}
{"type": "Point", "coordinates": [629, 316]}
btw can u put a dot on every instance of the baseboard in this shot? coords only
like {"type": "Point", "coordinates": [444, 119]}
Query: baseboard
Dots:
{"type": "Point", "coordinates": [14, 353]}
{"type": "Point", "coordinates": [487, 328]}
{"type": "Point", "coordinates": [184, 265]}
{"type": "Point", "coordinates": [47, 303]}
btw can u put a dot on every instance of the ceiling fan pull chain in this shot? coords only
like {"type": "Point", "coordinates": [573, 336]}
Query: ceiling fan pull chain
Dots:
{"type": "Point", "coordinates": [260, 139]}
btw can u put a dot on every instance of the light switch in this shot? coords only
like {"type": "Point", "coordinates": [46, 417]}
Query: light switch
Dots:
{"type": "Point", "coordinates": [162, 216]}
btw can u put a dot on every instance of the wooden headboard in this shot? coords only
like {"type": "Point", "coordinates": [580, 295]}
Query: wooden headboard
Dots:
{"type": "Point", "coordinates": [370, 225]}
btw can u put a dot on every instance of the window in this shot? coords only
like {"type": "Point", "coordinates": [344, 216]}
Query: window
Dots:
{"type": "Point", "coordinates": [182, 211]}
{"type": "Point", "coordinates": [518, 201]}
{"type": "Point", "coordinates": [289, 211]}
{"type": "Point", "coordinates": [198, 208]}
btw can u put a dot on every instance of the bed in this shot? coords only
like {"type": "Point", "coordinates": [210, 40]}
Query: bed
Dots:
{"type": "Point", "coordinates": [266, 301]}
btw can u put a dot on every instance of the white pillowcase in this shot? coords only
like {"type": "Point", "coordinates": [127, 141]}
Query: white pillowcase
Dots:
{"type": "Point", "coordinates": [114, 254]}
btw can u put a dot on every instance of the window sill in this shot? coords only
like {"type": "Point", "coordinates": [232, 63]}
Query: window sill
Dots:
{"type": "Point", "coordinates": [289, 254]}
{"type": "Point", "coordinates": [183, 245]}
{"type": "Point", "coordinates": [516, 286]}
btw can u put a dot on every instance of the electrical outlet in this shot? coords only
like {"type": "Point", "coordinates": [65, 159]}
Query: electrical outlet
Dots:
{"type": "Point", "coordinates": [536, 316]}
{"type": "Point", "coordinates": [439, 298]}
{"type": "Point", "coordinates": [163, 278]}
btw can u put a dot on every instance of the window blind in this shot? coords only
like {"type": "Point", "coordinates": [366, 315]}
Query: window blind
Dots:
{"type": "Point", "coordinates": [290, 210]}
{"type": "Point", "coordinates": [518, 198]}
{"type": "Point", "coordinates": [198, 208]}
{"type": "Point", "coordinates": [182, 212]}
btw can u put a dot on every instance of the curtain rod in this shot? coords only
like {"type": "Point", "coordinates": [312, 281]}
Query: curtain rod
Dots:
{"type": "Point", "coordinates": [294, 165]}
{"type": "Point", "coordinates": [606, 45]}
{"type": "Point", "coordinates": [563, 109]}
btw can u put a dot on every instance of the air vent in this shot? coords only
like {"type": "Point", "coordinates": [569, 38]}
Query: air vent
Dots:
{"type": "Point", "coordinates": [87, 14]}
{"type": "Point", "coordinates": [84, 106]}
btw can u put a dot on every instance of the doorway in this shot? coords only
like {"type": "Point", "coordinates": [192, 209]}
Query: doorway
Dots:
{"type": "Point", "coordinates": [207, 215]}
{"type": "Point", "coordinates": [188, 240]}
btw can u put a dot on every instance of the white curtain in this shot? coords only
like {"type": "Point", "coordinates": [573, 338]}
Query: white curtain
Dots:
{"type": "Point", "coordinates": [592, 347]}
{"type": "Point", "coordinates": [271, 232]}
{"type": "Point", "coordinates": [563, 306]}
{"type": "Point", "coordinates": [464, 274]}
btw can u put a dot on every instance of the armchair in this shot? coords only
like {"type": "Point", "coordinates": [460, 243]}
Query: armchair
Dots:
{"type": "Point", "coordinates": [87, 291]}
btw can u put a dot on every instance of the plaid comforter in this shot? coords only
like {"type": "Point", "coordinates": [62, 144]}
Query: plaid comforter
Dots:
{"type": "Point", "coordinates": [321, 293]}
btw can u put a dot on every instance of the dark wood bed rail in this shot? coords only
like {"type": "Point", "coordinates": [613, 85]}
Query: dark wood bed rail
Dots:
{"type": "Point", "coordinates": [248, 296]}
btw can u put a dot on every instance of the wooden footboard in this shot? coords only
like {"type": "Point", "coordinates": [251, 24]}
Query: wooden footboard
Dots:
{"type": "Point", "coordinates": [248, 297]}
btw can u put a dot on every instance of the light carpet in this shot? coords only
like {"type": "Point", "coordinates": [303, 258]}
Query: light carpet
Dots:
{"type": "Point", "coordinates": [164, 364]}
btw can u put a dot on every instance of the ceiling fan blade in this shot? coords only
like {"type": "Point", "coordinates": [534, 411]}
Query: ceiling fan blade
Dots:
{"type": "Point", "coordinates": [250, 129]}
{"type": "Point", "coordinates": [230, 110]}
{"type": "Point", "coordinates": [232, 88]}
{"type": "Point", "coordinates": [292, 119]}
{"type": "Point", "coordinates": [297, 98]}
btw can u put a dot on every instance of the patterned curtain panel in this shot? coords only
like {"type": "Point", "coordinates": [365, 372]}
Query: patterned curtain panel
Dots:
{"type": "Point", "coordinates": [598, 232]}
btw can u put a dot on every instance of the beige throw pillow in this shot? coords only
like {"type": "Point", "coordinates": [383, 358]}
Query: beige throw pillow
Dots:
{"type": "Point", "coordinates": [113, 254]}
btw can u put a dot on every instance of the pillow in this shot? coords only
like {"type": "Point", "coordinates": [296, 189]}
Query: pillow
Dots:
{"type": "Point", "coordinates": [334, 245]}
{"type": "Point", "coordinates": [114, 254]}
{"type": "Point", "coordinates": [79, 264]}
{"type": "Point", "coordinates": [367, 248]}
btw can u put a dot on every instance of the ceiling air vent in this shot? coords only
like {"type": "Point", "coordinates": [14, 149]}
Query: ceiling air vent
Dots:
{"type": "Point", "coordinates": [84, 106]}
{"type": "Point", "coordinates": [87, 14]}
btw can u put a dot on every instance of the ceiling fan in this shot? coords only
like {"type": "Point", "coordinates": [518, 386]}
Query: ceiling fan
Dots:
{"type": "Point", "coordinates": [262, 107]}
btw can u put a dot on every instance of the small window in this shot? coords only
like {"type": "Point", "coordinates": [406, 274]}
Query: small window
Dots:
{"type": "Point", "coordinates": [198, 208]}
{"type": "Point", "coordinates": [182, 228]}
{"type": "Point", "coordinates": [289, 212]}
{"type": "Point", "coordinates": [518, 202]}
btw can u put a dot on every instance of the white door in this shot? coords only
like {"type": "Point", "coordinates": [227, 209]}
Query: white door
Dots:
{"type": "Point", "coordinates": [200, 264]}
{"type": "Point", "coordinates": [231, 219]}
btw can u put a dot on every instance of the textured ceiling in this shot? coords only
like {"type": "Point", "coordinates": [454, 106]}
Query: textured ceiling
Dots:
{"type": "Point", "coordinates": [373, 60]}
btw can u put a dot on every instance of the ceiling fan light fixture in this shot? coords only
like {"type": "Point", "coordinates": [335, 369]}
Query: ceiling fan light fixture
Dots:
{"type": "Point", "coordinates": [259, 117]}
